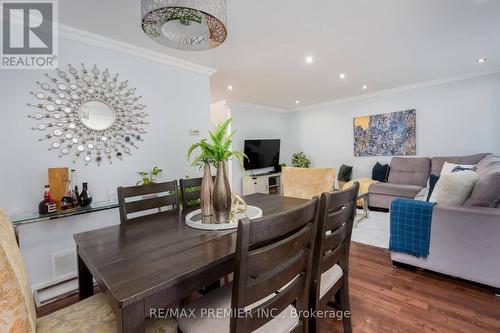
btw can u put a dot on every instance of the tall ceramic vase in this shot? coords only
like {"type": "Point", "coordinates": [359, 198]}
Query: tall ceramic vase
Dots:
{"type": "Point", "coordinates": [206, 195]}
{"type": "Point", "coordinates": [222, 195]}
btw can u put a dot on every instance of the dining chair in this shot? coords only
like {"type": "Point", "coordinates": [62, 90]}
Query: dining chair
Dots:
{"type": "Point", "coordinates": [272, 268]}
{"type": "Point", "coordinates": [190, 192]}
{"type": "Point", "coordinates": [306, 183]}
{"type": "Point", "coordinates": [18, 312]}
{"type": "Point", "coordinates": [329, 283]}
{"type": "Point", "coordinates": [146, 199]}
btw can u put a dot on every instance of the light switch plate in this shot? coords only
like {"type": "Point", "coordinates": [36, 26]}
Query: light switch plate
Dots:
{"type": "Point", "coordinates": [194, 132]}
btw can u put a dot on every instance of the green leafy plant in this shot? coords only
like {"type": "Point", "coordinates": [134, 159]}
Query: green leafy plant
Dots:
{"type": "Point", "coordinates": [218, 149]}
{"type": "Point", "coordinates": [299, 160]}
{"type": "Point", "coordinates": [149, 177]}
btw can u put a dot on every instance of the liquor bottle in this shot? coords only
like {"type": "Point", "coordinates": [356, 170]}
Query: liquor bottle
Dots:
{"type": "Point", "coordinates": [68, 200]}
{"type": "Point", "coordinates": [85, 197]}
{"type": "Point", "coordinates": [74, 185]}
{"type": "Point", "coordinates": [48, 204]}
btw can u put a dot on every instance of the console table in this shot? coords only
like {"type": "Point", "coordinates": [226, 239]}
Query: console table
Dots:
{"type": "Point", "coordinates": [268, 183]}
{"type": "Point", "coordinates": [19, 220]}
{"type": "Point", "coordinates": [26, 219]}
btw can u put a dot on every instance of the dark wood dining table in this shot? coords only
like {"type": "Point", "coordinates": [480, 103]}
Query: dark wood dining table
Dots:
{"type": "Point", "coordinates": [159, 260]}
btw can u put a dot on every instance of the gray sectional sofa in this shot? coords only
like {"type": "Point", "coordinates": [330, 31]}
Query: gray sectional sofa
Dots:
{"type": "Point", "coordinates": [407, 176]}
{"type": "Point", "coordinates": [465, 240]}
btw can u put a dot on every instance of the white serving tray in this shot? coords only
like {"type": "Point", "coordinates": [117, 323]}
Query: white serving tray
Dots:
{"type": "Point", "coordinates": [193, 219]}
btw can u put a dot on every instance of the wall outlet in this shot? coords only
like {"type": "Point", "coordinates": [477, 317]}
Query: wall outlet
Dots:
{"type": "Point", "coordinates": [194, 132]}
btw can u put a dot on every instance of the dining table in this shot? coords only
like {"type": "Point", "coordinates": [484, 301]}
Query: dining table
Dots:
{"type": "Point", "coordinates": [157, 261]}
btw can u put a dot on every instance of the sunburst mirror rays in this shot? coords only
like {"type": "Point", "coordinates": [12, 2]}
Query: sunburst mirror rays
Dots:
{"type": "Point", "coordinates": [88, 113]}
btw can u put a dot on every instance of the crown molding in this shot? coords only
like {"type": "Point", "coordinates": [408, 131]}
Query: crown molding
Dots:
{"type": "Point", "coordinates": [399, 89]}
{"type": "Point", "coordinates": [93, 39]}
{"type": "Point", "coordinates": [257, 106]}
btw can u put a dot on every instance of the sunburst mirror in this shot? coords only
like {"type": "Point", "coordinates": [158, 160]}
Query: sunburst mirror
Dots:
{"type": "Point", "coordinates": [88, 114]}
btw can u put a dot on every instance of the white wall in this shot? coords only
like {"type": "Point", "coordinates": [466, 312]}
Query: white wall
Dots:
{"type": "Point", "coordinates": [456, 118]}
{"type": "Point", "coordinates": [176, 100]}
{"type": "Point", "coordinates": [256, 123]}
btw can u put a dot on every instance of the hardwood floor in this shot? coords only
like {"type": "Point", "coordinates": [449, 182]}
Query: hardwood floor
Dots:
{"type": "Point", "coordinates": [387, 299]}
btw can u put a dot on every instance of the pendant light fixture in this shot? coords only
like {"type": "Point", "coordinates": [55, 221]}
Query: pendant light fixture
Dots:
{"type": "Point", "coordinates": [185, 24]}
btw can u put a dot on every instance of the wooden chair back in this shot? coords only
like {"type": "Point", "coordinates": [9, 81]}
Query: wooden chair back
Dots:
{"type": "Point", "coordinates": [190, 192]}
{"type": "Point", "coordinates": [333, 239]}
{"type": "Point", "coordinates": [147, 199]}
{"type": "Point", "coordinates": [273, 262]}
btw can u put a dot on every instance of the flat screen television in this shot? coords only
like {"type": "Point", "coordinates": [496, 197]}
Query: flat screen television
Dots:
{"type": "Point", "coordinates": [262, 154]}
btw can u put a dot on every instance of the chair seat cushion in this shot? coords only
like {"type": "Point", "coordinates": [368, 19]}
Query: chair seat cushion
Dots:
{"type": "Point", "coordinates": [219, 321]}
{"type": "Point", "coordinates": [329, 278]}
{"type": "Point", "coordinates": [94, 315]}
{"type": "Point", "coordinates": [396, 190]}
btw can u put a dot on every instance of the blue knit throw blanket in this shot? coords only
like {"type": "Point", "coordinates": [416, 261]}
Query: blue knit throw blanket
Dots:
{"type": "Point", "coordinates": [411, 226]}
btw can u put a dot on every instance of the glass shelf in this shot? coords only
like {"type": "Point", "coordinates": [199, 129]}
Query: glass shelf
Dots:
{"type": "Point", "coordinates": [35, 217]}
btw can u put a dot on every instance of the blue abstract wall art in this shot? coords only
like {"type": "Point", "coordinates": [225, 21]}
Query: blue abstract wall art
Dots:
{"type": "Point", "coordinates": [388, 134]}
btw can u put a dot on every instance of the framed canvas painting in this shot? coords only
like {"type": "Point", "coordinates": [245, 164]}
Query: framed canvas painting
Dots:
{"type": "Point", "coordinates": [388, 134]}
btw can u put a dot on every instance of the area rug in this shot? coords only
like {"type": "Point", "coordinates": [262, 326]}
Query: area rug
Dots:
{"type": "Point", "coordinates": [373, 231]}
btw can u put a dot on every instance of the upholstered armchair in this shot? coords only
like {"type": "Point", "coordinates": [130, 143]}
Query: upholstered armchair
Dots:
{"type": "Point", "coordinates": [306, 183]}
{"type": "Point", "coordinates": [17, 308]}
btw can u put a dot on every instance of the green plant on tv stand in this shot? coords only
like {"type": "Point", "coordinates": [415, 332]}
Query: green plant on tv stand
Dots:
{"type": "Point", "coordinates": [299, 160]}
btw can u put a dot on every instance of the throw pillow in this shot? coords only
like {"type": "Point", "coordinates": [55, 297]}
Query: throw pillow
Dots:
{"type": "Point", "coordinates": [380, 172]}
{"type": "Point", "coordinates": [345, 173]}
{"type": "Point", "coordinates": [496, 203]}
{"type": "Point", "coordinates": [451, 167]}
{"type": "Point", "coordinates": [422, 195]}
{"type": "Point", "coordinates": [487, 188]}
{"type": "Point", "coordinates": [433, 179]}
{"type": "Point", "coordinates": [454, 188]}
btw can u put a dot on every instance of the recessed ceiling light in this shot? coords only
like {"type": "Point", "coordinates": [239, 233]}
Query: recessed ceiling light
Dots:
{"type": "Point", "coordinates": [481, 60]}
{"type": "Point", "coordinates": [297, 102]}
{"type": "Point", "coordinates": [364, 87]}
{"type": "Point", "coordinates": [342, 76]}
{"type": "Point", "coordinates": [229, 87]}
{"type": "Point", "coordinates": [309, 59]}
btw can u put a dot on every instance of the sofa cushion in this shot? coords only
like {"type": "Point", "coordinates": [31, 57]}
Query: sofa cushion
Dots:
{"type": "Point", "coordinates": [487, 188]}
{"type": "Point", "coordinates": [454, 188]}
{"type": "Point", "coordinates": [437, 162]}
{"type": "Point", "coordinates": [410, 171]}
{"type": "Point", "coordinates": [396, 190]}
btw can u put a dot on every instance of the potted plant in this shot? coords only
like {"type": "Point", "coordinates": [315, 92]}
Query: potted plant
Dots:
{"type": "Point", "coordinates": [217, 152]}
{"type": "Point", "coordinates": [149, 177]}
{"type": "Point", "coordinates": [299, 160]}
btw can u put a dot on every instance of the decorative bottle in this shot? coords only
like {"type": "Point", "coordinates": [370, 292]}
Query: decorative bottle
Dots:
{"type": "Point", "coordinates": [48, 204]}
{"type": "Point", "coordinates": [74, 185]}
{"type": "Point", "coordinates": [85, 197]}
{"type": "Point", "coordinates": [68, 200]}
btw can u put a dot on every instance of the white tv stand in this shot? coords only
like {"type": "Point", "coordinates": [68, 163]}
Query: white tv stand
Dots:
{"type": "Point", "coordinates": [268, 183]}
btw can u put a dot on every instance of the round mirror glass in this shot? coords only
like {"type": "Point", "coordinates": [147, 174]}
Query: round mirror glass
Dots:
{"type": "Point", "coordinates": [96, 115]}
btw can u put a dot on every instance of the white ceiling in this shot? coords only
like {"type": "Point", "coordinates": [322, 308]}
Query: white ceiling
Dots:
{"type": "Point", "coordinates": [382, 44]}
